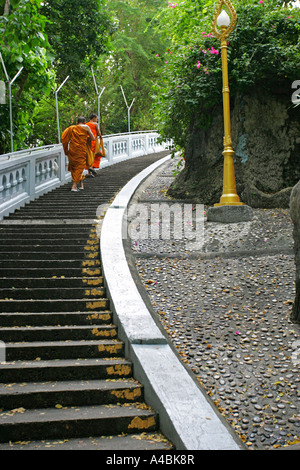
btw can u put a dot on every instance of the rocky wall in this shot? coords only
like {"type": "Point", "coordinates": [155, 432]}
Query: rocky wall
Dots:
{"type": "Point", "coordinates": [265, 131]}
{"type": "Point", "coordinates": [295, 215]}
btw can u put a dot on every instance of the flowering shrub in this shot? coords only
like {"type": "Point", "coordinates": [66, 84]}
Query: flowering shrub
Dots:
{"type": "Point", "coordinates": [263, 51]}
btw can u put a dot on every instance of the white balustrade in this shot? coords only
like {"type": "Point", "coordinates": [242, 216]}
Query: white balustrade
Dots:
{"type": "Point", "coordinates": [26, 175]}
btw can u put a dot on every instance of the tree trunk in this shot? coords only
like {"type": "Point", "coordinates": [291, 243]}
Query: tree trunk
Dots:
{"type": "Point", "coordinates": [295, 215]}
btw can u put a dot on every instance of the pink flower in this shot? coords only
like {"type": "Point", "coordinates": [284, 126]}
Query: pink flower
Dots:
{"type": "Point", "coordinates": [157, 55]}
{"type": "Point", "coordinates": [214, 51]}
{"type": "Point", "coordinates": [198, 64]}
{"type": "Point", "coordinates": [260, 1]}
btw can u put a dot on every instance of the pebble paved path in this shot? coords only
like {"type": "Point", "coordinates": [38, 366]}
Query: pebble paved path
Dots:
{"type": "Point", "coordinates": [226, 308]}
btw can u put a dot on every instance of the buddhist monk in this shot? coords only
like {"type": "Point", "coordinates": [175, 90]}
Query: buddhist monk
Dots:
{"type": "Point", "coordinates": [93, 125]}
{"type": "Point", "coordinates": [74, 141]}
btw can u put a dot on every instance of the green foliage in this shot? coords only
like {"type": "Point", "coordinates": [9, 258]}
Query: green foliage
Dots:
{"type": "Point", "coordinates": [263, 51]}
{"type": "Point", "coordinates": [121, 54]}
{"type": "Point", "coordinates": [78, 33]}
{"type": "Point", "coordinates": [162, 53]}
{"type": "Point", "coordinates": [23, 43]}
{"type": "Point", "coordinates": [68, 37]}
{"type": "Point", "coordinates": [131, 63]}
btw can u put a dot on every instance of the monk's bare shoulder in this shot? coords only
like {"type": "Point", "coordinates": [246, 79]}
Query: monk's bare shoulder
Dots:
{"type": "Point", "coordinates": [87, 128]}
{"type": "Point", "coordinates": [84, 127]}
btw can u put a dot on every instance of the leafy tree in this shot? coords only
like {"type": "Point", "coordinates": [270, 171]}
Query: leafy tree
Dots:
{"type": "Point", "coordinates": [23, 43]}
{"type": "Point", "coordinates": [131, 63]}
{"type": "Point", "coordinates": [78, 32]}
{"type": "Point", "coordinates": [263, 52]}
{"type": "Point", "coordinates": [117, 38]}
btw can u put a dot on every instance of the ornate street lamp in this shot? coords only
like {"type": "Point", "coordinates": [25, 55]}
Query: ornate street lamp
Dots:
{"type": "Point", "coordinates": [226, 24]}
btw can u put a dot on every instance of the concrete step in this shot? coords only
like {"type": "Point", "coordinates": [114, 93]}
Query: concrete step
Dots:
{"type": "Point", "coordinates": [49, 264]}
{"type": "Point", "coordinates": [50, 350]}
{"type": "Point", "coordinates": [58, 239]}
{"type": "Point", "coordinates": [51, 293]}
{"type": "Point", "coordinates": [74, 422]}
{"type": "Point", "coordinates": [75, 214]}
{"type": "Point", "coordinates": [54, 305]}
{"type": "Point", "coordinates": [54, 272]}
{"type": "Point", "coordinates": [43, 244]}
{"type": "Point", "coordinates": [65, 369]}
{"type": "Point", "coordinates": [58, 333]}
{"type": "Point", "coordinates": [138, 442]}
{"type": "Point", "coordinates": [40, 232]}
{"type": "Point", "coordinates": [75, 247]}
{"type": "Point", "coordinates": [11, 319]}
{"type": "Point", "coordinates": [52, 283]}
{"type": "Point", "coordinates": [44, 256]}
{"type": "Point", "coordinates": [85, 204]}
{"type": "Point", "coordinates": [69, 393]}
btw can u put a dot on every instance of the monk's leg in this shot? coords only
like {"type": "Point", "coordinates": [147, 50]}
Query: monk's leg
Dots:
{"type": "Point", "coordinates": [96, 163]}
{"type": "Point", "coordinates": [76, 167]}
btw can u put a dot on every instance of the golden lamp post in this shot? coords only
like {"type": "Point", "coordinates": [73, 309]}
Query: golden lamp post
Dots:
{"type": "Point", "coordinates": [226, 25]}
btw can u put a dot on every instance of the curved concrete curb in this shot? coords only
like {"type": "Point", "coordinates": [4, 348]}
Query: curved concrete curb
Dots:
{"type": "Point", "coordinates": [187, 417]}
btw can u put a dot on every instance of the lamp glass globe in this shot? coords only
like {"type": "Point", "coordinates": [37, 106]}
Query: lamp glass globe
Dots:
{"type": "Point", "coordinates": [223, 19]}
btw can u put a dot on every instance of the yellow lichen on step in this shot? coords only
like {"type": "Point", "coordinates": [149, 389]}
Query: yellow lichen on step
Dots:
{"type": "Point", "coordinates": [91, 248]}
{"type": "Point", "coordinates": [118, 369]}
{"type": "Point", "coordinates": [99, 316]}
{"type": "Point", "coordinates": [90, 263]}
{"type": "Point", "coordinates": [93, 292]}
{"type": "Point", "coordinates": [110, 348]}
{"type": "Point", "coordinates": [104, 333]}
{"type": "Point", "coordinates": [127, 394]}
{"type": "Point", "coordinates": [92, 282]}
{"type": "Point", "coordinates": [92, 255]}
{"type": "Point", "coordinates": [139, 423]}
{"type": "Point", "coordinates": [92, 242]}
{"type": "Point", "coordinates": [91, 272]}
{"type": "Point", "coordinates": [96, 304]}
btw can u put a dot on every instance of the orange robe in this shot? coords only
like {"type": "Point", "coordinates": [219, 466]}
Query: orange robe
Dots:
{"type": "Point", "coordinates": [74, 140]}
{"type": "Point", "coordinates": [97, 159]}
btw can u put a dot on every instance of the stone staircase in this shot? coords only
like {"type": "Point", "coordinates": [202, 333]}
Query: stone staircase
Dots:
{"type": "Point", "coordinates": [66, 383]}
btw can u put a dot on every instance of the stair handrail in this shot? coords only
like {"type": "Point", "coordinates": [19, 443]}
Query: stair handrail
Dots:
{"type": "Point", "coordinates": [27, 174]}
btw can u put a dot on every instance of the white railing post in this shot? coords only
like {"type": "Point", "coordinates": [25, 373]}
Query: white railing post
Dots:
{"type": "Point", "coordinates": [130, 138]}
{"type": "Point", "coordinates": [62, 166]}
{"type": "Point", "coordinates": [110, 151]}
{"type": "Point", "coordinates": [32, 177]}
